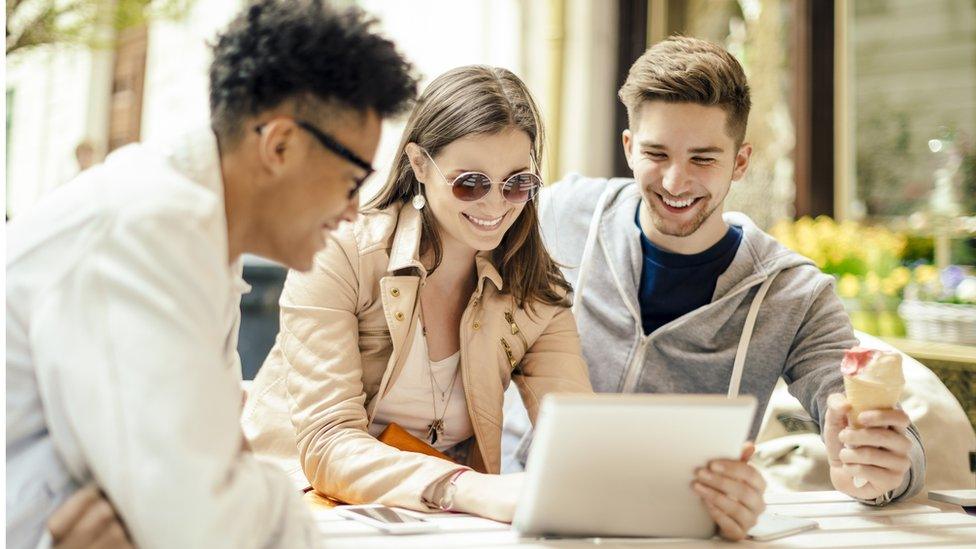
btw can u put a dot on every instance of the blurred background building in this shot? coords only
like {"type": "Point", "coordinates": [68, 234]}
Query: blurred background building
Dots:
{"type": "Point", "coordinates": [864, 113]}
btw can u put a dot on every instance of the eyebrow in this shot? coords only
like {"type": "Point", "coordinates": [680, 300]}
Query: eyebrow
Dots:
{"type": "Point", "coordinates": [693, 150]}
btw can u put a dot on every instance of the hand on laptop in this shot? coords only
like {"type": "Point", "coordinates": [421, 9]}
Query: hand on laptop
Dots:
{"type": "Point", "coordinates": [490, 496]}
{"type": "Point", "coordinates": [733, 493]}
{"type": "Point", "coordinates": [87, 519]}
{"type": "Point", "coordinates": [878, 453]}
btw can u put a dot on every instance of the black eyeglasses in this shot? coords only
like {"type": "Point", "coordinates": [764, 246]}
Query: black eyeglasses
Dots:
{"type": "Point", "coordinates": [338, 148]}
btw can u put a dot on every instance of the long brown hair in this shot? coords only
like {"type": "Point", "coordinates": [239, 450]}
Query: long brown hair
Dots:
{"type": "Point", "coordinates": [478, 99]}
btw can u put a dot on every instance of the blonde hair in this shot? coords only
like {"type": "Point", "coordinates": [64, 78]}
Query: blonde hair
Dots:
{"type": "Point", "coordinates": [683, 69]}
{"type": "Point", "coordinates": [469, 100]}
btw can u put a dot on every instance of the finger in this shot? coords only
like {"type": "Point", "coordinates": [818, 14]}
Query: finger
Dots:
{"type": "Point", "coordinates": [742, 472]}
{"type": "Point", "coordinates": [727, 527]}
{"type": "Point", "coordinates": [878, 438]}
{"type": "Point", "coordinates": [837, 403]}
{"type": "Point", "coordinates": [113, 537]}
{"type": "Point", "coordinates": [875, 457]}
{"type": "Point", "coordinates": [741, 514]}
{"type": "Point", "coordinates": [876, 476]}
{"type": "Point", "coordinates": [68, 514]}
{"type": "Point", "coordinates": [748, 449]}
{"type": "Point", "coordinates": [892, 419]}
{"type": "Point", "coordinates": [837, 410]}
{"type": "Point", "coordinates": [96, 520]}
{"type": "Point", "coordinates": [733, 489]}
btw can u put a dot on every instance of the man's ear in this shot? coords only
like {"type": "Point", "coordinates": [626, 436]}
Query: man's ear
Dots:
{"type": "Point", "coordinates": [741, 161]}
{"type": "Point", "coordinates": [418, 161]}
{"type": "Point", "coordinates": [276, 144]}
{"type": "Point", "coordinates": [626, 138]}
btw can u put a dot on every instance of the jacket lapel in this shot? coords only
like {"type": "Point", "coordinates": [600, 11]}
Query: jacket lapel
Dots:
{"type": "Point", "coordinates": [399, 293]}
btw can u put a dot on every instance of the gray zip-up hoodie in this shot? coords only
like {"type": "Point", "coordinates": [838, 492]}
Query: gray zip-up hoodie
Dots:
{"type": "Point", "coordinates": [800, 328]}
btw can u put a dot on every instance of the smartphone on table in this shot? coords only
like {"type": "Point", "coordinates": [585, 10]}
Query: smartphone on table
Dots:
{"type": "Point", "coordinates": [390, 520]}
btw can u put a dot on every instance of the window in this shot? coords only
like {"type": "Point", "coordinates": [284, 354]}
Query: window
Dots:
{"type": "Point", "coordinates": [912, 91]}
{"type": "Point", "coordinates": [6, 165]}
{"type": "Point", "coordinates": [762, 37]}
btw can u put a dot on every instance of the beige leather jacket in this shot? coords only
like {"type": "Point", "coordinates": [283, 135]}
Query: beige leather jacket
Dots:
{"type": "Point", "coordinates": [343, 342]}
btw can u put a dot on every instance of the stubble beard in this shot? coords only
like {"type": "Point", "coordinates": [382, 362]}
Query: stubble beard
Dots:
{"type": "Point", "coordinates": [687, 228]}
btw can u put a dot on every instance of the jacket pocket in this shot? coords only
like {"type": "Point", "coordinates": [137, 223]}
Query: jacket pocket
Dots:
{"type": "Point", "coordinates": [372, 335]}
{"type": "Point", "coordinates": [374, 341]}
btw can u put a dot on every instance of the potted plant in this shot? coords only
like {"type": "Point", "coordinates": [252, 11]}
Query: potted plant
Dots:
{"type": "Point", "coordinates": [940, 305]}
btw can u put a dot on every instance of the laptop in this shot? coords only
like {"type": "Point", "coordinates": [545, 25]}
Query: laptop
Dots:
{"type": "Point", "coordinates": [614, 465]}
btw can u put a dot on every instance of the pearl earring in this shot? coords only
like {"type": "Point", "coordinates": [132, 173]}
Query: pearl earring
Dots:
{"type": "Point", "coordinates": [419, 200]}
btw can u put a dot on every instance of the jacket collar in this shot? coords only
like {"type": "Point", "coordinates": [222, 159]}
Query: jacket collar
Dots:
{"type": "Point", "coordinates": [196, 155]}
{"type": "Point", "coordinates": [405, 250]}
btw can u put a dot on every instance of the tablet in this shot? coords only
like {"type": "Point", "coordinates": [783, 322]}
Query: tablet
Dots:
{"type": "Point", "coordinates": [622, 465]}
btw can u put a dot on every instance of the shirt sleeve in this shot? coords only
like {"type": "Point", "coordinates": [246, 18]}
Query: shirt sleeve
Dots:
{"type": "Point", "coordinates": [319, 341]}
{"type": "Point", "coordinates": [813, 371]}
{"type": "Point", "coordinates": [131, 354]}
{"type": "Point", "coordinates": [553, 364]}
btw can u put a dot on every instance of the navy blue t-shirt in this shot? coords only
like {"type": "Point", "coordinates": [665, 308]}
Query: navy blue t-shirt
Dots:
{"type": "Point", "coordinates": [673, 285]}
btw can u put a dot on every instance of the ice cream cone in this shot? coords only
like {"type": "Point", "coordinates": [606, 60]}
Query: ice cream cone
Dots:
{"type": "Point", "coordinates": [865, 395]}
{"type": "Point", "coordinates": [873, 380]}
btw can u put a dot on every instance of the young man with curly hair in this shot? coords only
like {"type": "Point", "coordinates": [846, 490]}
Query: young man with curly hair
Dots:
{"type": "Point", "coordinates": [123, 286]}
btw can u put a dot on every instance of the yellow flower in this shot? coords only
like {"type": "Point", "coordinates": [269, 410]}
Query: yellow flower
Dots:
{"type": "Point", "coordinates": [889, 287]}
{"type": "Point", "coordinates": [848, 286]}
{"type": "Point", "coordinates": [925, 274]}
{"type": "Point", "coordinates": [901, 276]}
{"type": "Point", "coordinates": [872, 283]}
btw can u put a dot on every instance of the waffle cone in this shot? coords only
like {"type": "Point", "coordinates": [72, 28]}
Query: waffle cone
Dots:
{"type": "Point", "coordinates": [865, 395]}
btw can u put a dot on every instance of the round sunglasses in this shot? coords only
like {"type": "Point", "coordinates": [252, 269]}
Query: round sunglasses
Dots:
{"type": "Point", "coordinates": [471, 186]}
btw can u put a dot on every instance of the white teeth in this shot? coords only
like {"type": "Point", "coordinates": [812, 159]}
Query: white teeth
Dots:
{"type": "Point", "coordinates": [678, 203]}
{"type": "Point", "coordinates": [484, 222]}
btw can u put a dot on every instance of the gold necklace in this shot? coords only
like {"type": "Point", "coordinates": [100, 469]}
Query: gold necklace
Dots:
{"type": "Point", "coordinates": [435, 429]}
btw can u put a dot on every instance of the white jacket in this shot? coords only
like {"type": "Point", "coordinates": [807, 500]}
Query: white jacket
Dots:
{"type": "Point", "coordinates": [122, 316]}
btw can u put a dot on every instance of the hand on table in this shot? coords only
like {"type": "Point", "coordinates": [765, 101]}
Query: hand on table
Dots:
{"type": "Point", "coordinates": [87, 520]}
{"type": "Point", "coordinates": [876, 453]}
{"type": "Point", "coordinates": [490, 496]}
{"type": "Point", "coordinates": [733, 493]}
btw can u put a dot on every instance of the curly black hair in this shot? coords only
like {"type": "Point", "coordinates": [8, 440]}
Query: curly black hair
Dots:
{"type": "Point", "coordinates": [279, 50]}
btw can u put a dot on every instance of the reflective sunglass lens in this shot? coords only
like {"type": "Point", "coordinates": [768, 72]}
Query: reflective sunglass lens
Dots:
{"type": "Point", "coordinates": [521, 187]}
{"type": "Point", "coordinates": [471, 186]}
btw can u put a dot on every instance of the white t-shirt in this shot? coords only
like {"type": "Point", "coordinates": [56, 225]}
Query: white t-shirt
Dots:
{"type": "Point", "coordinates": [412, 405]}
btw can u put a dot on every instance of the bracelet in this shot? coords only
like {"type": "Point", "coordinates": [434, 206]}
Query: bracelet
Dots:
{"type": "Point", "coordinates": [447, 500]}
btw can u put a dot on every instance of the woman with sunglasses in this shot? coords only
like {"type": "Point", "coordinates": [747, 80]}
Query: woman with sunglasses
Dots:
{"type": "Point", "coordinates": [417, 316]}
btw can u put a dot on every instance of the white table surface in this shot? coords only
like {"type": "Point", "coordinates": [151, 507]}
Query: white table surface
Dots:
{"type": "Point", "coordinates": [842, 523]}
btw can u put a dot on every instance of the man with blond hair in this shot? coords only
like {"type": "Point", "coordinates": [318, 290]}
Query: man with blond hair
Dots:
{"type": "Point", "coordinates": [671, 292]}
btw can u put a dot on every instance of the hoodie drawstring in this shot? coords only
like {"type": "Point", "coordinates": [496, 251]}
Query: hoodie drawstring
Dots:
{"type": "Point", "coordinates": [591, 237]}
{"type": "Point", "coordinates": [740, 353]}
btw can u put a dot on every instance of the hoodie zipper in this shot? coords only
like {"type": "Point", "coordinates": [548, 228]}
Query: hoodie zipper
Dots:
{"type": "Point", "coordinates": [635, 366]}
